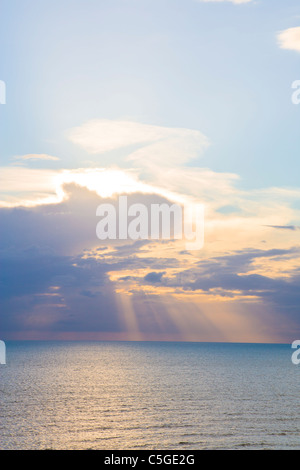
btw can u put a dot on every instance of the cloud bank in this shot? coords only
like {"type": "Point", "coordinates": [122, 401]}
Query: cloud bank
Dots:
{"type": "Point", "coordinates": [60, 282]}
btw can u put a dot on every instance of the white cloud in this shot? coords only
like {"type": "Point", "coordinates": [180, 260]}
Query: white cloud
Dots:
{"type": "Point", "coordinates": [158, 167]}
{"type": "Point", "coordinates": [290, 39]}
{"type": "Point", "coordinates": [160, 145]}
{"type": "Point", "coordinates": [103, 135]}
{"type": "Point", "coordinates": [35, 156]}
{"type": "Point", "coordinates": [32, 187]}
{"type": "Point", "coordinates": [236, 2]}
{"type": "Point", "coordinates": [25, 186]}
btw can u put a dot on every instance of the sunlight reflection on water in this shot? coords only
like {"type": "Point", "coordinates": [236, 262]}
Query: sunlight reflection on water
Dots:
{"type": "Point", "coordinates": [148, 396]}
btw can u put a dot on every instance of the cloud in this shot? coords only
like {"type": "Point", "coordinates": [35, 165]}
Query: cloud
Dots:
{"type": "Point", "coordinates": [58, 281]}
{"type": "Point", "coordinates": [32, 187]}
{"type": "Point", "coordinates": [284, 227]}
{"type": "Point", "coordinates": [27, 186]}
{"type": "Point", "coordinates": [35, 157]}
{"type": "Point", "coordinates": [161, 145]}
{"type": "Point", "coordinates": [48, 293]}
{"type": "Point", "coordinates": [157, 169]}
{"type": "Point", "coordinates": [236, 2]}
{"type": "Point", "coordinates": [290, 39]}
{"type": "Point", "coordinates": [60, 278]}
{"type": "Point", "coordinates": [154, 277]}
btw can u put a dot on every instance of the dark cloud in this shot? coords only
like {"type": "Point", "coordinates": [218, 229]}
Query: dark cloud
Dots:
{"type": "Point", "coordinates": [55, 273]}
{"type": "Point", "coordinates": [284, 227]}
{"type": "Point", "coordinates": [154, 278]}
{"type": "Point", "coordinates": [227, 276]}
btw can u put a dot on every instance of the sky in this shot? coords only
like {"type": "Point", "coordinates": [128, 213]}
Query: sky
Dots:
{"type": "Point", "coordinates": [186, 101]}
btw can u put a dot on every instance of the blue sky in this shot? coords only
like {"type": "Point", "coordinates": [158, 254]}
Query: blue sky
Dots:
{"type": "Point", "coordinates": [187, 97]}
{"type": "Point", "coordinates": [215, 67]}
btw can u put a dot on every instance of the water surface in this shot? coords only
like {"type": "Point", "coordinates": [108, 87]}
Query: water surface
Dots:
{"type": "Point", "coordinates": [183, 396]}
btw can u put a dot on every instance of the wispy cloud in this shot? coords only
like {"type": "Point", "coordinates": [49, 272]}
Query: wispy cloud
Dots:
{"type": "Point", "coordinates": [236, 2]}
{"type": "Point", "coordinates": [35, 157]}
{"type": "Point", "coordinates": [290, 39]}
{"type": "Point", "coordinates": [158, 143]}
{"type": "Point", "coordinates": [28, 186]}
{"type": "Point", "coordinates": [284, 227]}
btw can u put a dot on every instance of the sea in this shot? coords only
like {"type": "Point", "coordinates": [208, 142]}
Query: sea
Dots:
{"type": "Point", "coordinates": [149, 395]}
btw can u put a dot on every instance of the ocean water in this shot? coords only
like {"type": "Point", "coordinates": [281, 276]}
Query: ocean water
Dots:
{"type": "Point", "coordinates": [154, 396]}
